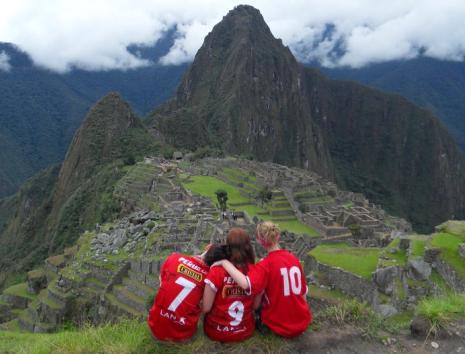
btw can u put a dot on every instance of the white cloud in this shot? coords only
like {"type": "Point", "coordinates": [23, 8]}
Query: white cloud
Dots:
{"type": "Point", "coordinates": [4, 62]}
{"type": "Point", "coordinates": [94, 34]}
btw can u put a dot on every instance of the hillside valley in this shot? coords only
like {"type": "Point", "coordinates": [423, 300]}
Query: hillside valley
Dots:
{"type": "Point", "coordinates": [367, 188]}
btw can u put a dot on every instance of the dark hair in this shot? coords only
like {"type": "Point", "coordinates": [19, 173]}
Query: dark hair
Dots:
{"type": "Point", "coordinates": [216, 252]}
{"type": "Point", "coordinates": [240, 248]}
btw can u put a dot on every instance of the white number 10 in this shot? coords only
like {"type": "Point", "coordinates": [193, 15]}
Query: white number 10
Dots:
{"type": "Point", "coordinates": [294, 278]}
{"type": "Point", "coordinates": [188, 286]}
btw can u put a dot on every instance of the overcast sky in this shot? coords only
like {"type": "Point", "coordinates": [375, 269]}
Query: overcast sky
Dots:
{"type": "Point", "coordinates": [94, 34]}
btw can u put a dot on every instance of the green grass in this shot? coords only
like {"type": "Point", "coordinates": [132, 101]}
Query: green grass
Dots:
{"type": "Point", "coordinates": [449, 246]}
{"type": "Point", "coordinates": [125, 337]}
{"type": "Point", "coordinates": [439, 281]}
{"type": "Point", "coordinates": [393, 259]}
{"type": "Point", "coordinates": [19, 290]}
{"type": "Point", "coordinates": [443, 309]}
{"type": "Point", "coordinates": [356, 260]}
{"type": "Point", "coordinates": [206, 186]}
{"type": "Point", "coordinates": [418, 247]}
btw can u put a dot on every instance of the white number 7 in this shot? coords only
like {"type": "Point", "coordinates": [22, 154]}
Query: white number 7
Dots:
{"type": "Point", "coordinates": [188, 286]}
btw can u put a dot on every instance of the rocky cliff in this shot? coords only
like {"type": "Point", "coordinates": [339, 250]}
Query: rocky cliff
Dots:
{"type": "Point", "coordinates": [246, 94]}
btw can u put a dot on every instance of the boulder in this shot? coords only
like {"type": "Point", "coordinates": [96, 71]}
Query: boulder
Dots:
{"type": "Point", "coordinates": [120, 238]}
{"type": "Point", "coordinates": [420, 327]}
{"type": "Point", "coordinates": [386, 310]}
{"type": "Point", "coordinates": [384, 279]}
{"type": "Point", "coordinates": [418, 269]}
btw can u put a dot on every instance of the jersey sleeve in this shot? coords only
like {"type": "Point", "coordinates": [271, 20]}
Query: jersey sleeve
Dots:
{"type": "Point", "coordinates": [257, 277]}
{"type": "Point", "coordinates": [303, 280]}
{"type": "Point", "coordinates": [165, 266]}
{"type": "Point", "coordinates": [214, 278]}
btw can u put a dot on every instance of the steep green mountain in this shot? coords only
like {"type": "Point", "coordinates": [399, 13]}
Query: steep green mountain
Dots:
{"type": "Point", "coordinates": [435, 84]}
{"type": "Point", "coordinates": [54, 207]}
{"type": "Point", "coordinates": [246, 94]}
{"type": "Point", "coordinates": [41, 110]}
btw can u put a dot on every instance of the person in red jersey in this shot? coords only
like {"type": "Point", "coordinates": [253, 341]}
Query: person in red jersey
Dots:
{"type": "Point", "coordinates": [176, 308]}
{"type": "Point", "coordinates": [229, 308]}
{"type": "Point", "coordinates": [280, 276]}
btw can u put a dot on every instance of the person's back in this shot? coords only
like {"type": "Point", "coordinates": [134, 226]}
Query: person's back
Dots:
{"type": "Point", "coordinates": [231, 317]}
{"type": "Point", "coordinates": [280, 277]}
{"type": "Point", "coordinates": [284, 309]}
{"type": "Point", "coordinates": [229, 308]}
{"type": "Point", "coordinates": [176, 311]}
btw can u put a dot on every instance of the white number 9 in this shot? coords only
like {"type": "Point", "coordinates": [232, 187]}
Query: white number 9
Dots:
{"type": "Point", "coordinates": [236, 311]}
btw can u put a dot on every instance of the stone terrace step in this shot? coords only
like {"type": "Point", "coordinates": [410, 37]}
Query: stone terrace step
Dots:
{"type": "Point", "coordinates": [122, 308]}
{"type": "Point", "coordinates": [26, 323]}
{"type": "Point", "coordinates": [30, 325]}
{"type": "Point", "coordinates": [130, 299]}
{"type": "Point", "coordinates": [138, 288]}
{"type": "Point", "coordinates": [95, 284]}
{"type": "Point", "coordinates": [56, 295]}
{"type": "Point", "coordinates": [51, 303]}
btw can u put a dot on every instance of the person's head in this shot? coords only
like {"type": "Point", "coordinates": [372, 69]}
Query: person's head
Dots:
{"type": "Point", "coordinates": [240, 247]}
{"type": "Point", "coordinates": [216, 252]}
{"type": "Point", "coordinates": [267, 234]}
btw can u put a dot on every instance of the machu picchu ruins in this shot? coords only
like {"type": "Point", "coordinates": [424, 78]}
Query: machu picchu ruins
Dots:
{"type": "Point", "coordinates": [167, 206]}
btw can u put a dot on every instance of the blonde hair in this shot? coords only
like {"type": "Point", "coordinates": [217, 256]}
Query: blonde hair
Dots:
{"type": "Point", "coordinates": [268, 231]}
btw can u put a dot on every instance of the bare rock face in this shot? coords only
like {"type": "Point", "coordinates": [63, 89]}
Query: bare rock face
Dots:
{"type": "Point", "coordinates": [384, 279]}
{"type": "Point", "coordinates": [419, 269]}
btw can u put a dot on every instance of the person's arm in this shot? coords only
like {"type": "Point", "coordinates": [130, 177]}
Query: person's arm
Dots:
{"type": "Point", "coordinates": [257, 301]}
{"type": "Point", "coordinates": [235, 273]}
{"type": "Point", "coordinates": [208, 298]}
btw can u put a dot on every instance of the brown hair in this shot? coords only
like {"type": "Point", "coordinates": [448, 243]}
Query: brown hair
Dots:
{"type": "Point", "coordinates": [269, 232]}
{"type": "Point", "coordinates": [241, 251]}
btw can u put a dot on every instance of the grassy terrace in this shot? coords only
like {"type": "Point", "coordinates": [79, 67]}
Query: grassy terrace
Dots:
{"type": "Point", "coordinates": [388, 258]}
{"type": "Point", "coordinates": [19, 290]}
{"type": "Point", "coordinates": [206, 186]}
{"type": "Point", "coordinates": [356, 260]}
{"type": "Point", "coordinates": [449, 245]}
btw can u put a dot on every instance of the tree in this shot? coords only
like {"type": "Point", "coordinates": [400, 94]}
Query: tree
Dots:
{"type": "Point", "coordinates": [264, 195]}
{"type": "Point", "coordinates": [222, 197]}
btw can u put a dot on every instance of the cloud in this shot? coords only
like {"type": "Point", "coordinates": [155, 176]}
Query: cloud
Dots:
{"type": "Point", "coordinates": [4, 62]}
{"type": "Point", "coordinates": [95, 34]}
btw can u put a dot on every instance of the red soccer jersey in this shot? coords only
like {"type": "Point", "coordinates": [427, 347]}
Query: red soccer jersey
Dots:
{"type": "Point", "coordinates": [284, 309]}
{"type": "Point", "coordinates": [231, 317]}
{"type": "Point", "coordinates": [176, 311]}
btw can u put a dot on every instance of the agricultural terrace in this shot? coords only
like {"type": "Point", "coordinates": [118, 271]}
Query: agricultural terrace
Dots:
{"type": "Point", "coordinates": [356, 260]}
{"type": "Point", "coordinates": [242, 190]}
{"type": "Point", "coordinates": [448, 243]}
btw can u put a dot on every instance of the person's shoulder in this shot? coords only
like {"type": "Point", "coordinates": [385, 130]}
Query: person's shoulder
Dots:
{"type": "Point", "coordinates": [218, 270]}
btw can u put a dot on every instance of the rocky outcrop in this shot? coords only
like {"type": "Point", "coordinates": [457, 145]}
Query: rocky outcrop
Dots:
{"type": "Point", "coordinates": [384, 279]}
{"type": "Point", "coordinates": [418, 269]}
